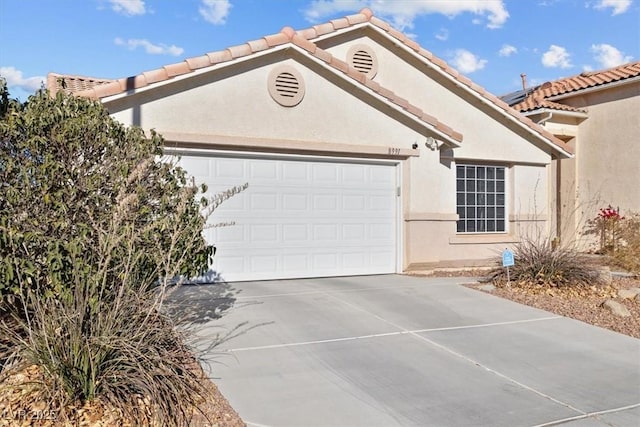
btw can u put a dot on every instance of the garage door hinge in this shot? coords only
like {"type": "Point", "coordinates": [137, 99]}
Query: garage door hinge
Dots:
{"type": "Point", "coordinates": [398, 191]}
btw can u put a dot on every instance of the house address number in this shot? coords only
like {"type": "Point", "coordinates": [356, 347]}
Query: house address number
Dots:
{"type": "Point", "coordinates": [394, 151]}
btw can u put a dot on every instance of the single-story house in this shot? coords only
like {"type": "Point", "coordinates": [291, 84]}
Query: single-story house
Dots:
{"type": "Point", "coordinates": [597, 113]}
{"type": "Point", "coordinates": [364, 153]}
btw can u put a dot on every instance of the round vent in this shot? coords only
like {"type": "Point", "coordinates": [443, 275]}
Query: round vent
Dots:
{"type": "Point", "coordinates": [286, 86]}
{"type": "Point", "coordinates": [363, 59]}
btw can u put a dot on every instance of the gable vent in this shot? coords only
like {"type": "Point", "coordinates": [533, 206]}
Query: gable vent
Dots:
{"type": "Point", "coordinates": [363, 59]}
{"type": "Point", "coordinates": [286, 86]}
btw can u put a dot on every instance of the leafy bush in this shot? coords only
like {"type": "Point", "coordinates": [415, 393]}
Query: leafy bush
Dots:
{"type": "Point", "coordinates": [94, 229]}
{"type": "Point", "coordinates": [540, 261]}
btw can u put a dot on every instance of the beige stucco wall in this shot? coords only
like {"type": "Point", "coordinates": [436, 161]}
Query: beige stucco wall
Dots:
{"type": "Point", "coordinates": [489, 138]}
{"type": "Point", "coordinates": [234, 103]}
{"type": "Point", "coordinates": [606, 168]}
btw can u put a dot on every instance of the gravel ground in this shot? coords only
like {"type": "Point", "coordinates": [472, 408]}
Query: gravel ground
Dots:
{"type": "Point", "coordinates": [584, 303]}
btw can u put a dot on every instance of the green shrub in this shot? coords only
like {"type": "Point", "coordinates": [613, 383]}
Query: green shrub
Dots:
{"type": "Point", "coordinates": [540, 261]}
{"type": "Point", "coordinates": [95, 227]}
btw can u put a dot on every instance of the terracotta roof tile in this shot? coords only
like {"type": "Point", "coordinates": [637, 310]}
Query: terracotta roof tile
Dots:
{"type": "Point", "coordinates": [258, 45]}
{"type": "Point", "coordinates": [219, 56]}
{"type": "Point", "coordinates": [157, 75]}
{"type": "Point", "coordinates": [198, 62]}
{"type": "Point", "coordinates": [276, 39]}
{"type": "Point", "coordinates": [322, 29]}
{"type": "Point", "coordinates": [177, 69]}
{"type": "Point", "coordinates": [240, 50]}
{"type": "Point", "coordinates": [340, 23]}
{"type": "Point", "coordinates": [537, 98]}
{"type": "Point", "coordinates": [303, 41]}
{"type": "Point", "coordinates": [72, 84]}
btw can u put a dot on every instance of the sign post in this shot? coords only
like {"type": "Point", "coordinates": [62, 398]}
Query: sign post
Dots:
{"type": "Point", "coordinates": [508, 260]}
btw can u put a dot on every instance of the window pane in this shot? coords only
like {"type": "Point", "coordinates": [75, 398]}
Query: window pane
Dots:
{"type": "Point", "coordinates": [491, 199]}
{"type": "Point", "coordinates": [500, 199]}
{"type": "Point", "coordinates": [471, 226]}
{"type": "Point", "coordinates": [480, 213]}
{"type": "Point", "coordinates": [480, 186]}
{"type": "Point", "coordinates": [471, 199]}
{"type": "Point", "coordinates": [471, 186]}
{"type": "Point", "coordinates": [481, 226]}
{"type": "Point", "coordinates": [491, 173]}
{"type": "Point", "coordinates": [460, 199]}
{"type": "Point", "coordinates": [460, 212]}
{"type": "Point", "coordinates": [460, 227]}
{"type": "Point", "coordinates": [500, 186]}
{"type": "Point", "coordinates": [480, 172]}
{"type": "Point", "coordinates": [500, 173]}
{"type": "Point", "coordinates": [491, 226]}
{"type": "Point", "coordinates": [499, 225]}
{"type": "Point", "coordinates": [460, 185]}
{"type": "Point", "coordinates": [480, 198]}
{"type": "Point", "coordinates": [491, 186]}
{"type": "Point", "coordinates": [500, 213]}
{"type": "Point", "coordinates": [471, 213]}
{"type": "Point", "coordinates": [491, 212]}
{"type": "Point", "coordinates": [471, 171]}
{"type": "Point", "coordinates": [460, 171]}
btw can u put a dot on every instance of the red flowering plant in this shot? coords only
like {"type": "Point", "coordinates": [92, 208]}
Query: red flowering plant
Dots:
{"type": "Point", "coordinates": [607, 225]}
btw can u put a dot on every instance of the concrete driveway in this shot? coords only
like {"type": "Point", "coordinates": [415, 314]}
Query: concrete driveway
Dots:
{"type": "Point", "coordinates": [408, 351]}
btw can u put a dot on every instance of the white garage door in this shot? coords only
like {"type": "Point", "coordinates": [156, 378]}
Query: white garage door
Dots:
{"type": "Point", "coordinates": [300, 217]}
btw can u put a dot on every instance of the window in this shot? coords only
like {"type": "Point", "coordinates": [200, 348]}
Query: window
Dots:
{"type": "Point", "coordinates": [480, 199]}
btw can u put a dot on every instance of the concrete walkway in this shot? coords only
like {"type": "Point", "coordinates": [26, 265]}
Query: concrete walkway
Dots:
{"type": "Point", "coordinates": [408, 351]}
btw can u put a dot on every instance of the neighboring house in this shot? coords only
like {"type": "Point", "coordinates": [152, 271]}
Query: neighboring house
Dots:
{"type": "Point", "coordinates": [598, 114]}
{"type": "Point", "coordinates": [364, 153]}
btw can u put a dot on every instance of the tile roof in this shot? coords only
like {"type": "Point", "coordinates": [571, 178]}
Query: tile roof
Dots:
{"type": "Point", "coordinates": [537, 97]}
{"type": "Point", "coordinates": [73, 84]}
{"type": "Point", "coordinates": [104, 88]}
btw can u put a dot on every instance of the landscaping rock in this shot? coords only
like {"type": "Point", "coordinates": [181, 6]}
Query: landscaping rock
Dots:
{"type": "Point", "coordinates": [487, 288]}
{"type": "Point", "coordinates": [616, 308]}
{"type": "Point", "coordinates": [605, 277]}
{"type": "Point", "coordinates": [630, 293]}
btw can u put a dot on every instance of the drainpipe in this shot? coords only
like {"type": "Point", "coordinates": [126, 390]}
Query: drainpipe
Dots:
{"type": "Point", "coordinates": [544, 119]}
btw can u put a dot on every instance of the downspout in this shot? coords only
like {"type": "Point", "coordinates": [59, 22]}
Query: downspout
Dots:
{"type": "Point", "coordinates": [545, 119]}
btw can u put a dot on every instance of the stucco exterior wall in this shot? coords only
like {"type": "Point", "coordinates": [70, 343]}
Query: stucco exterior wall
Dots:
{"type": "Point", "coordinates": [239, 105]}
{"type": "Point", "coordinates": [430, 219]}
{"type": "Point", "coordinates": [605, 170]}
{"type": "Point", "coordinates": [234, 103]}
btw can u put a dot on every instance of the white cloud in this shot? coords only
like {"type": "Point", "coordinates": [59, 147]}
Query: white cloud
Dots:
{"type": "Point", "coordinates": [555, 57]}
{"type": "Point", "coordinates": [608, 56]}
{"type": "Point", "coordinates": [403, 12]}
{"type": "Point", "coordinates": [150, 48]}
{"type": "Point", "coordinates": [618, 6]}
{"type": "Point", "coordinates": [443, 34]}
{"type": "Point", "coordinates": [466, 62]}
{"type": "Point", "coordinates": [15, 79]}
{"type": "Point", "coordinates": [215, 11]}
{"type": "Point", "coordinates": [128, 7]}
{"type": "Point", "coordinates": [507, 50]}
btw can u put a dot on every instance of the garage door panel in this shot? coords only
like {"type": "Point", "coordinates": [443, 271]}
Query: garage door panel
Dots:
{"type": "Point", "coordinates": [300, 218]}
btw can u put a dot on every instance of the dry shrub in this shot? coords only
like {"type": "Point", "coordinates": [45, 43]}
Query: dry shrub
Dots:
{"type": "Point", "coordinates": [627, 254]}
{"type": "Point", "coordinates": [95, 227]}
{"type": "Point", "coordinates": [539, 261]}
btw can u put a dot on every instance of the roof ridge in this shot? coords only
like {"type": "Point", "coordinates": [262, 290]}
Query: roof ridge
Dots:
{"type": "Point", "coordinates": [286, 35]}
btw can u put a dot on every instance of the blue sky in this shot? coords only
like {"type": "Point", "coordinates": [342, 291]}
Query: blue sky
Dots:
{"type": "Point", "coordinates": [490, 41]}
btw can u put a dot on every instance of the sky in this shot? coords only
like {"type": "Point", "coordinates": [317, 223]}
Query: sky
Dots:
{"type": "Point", "coordinates": [490, 41]}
